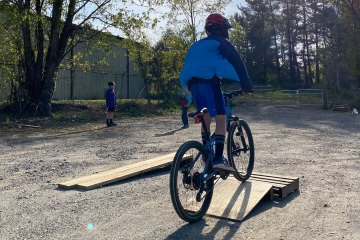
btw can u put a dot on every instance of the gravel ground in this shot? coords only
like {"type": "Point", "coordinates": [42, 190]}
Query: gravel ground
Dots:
{"type": "Point", "coordinates": [320, 147]}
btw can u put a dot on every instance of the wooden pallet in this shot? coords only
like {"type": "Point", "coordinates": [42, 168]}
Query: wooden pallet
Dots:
{"type": "Point", "coordinates": [341, 108]}
{"type": "Point", "coordinates": [282, 186]}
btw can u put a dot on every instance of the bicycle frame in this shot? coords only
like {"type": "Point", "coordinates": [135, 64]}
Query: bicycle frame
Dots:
{"type": "Point", "coordinates": [208, 170]}
{"type": "Point", "coordinates": [229, 117]}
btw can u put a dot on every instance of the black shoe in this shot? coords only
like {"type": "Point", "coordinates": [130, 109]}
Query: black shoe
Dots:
{"type": "Point", "coordinates": [185, 126]}
{"type": "Point", "coordinates": [112, 123]}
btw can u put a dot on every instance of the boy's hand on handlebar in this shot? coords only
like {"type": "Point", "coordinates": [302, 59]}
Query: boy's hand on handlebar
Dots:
{"type": "Point", "coordinates": [187, 92]}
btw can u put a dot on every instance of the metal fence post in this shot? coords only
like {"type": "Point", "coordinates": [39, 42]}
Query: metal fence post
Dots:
{"type": "Point", "coordinates": [324, 99]}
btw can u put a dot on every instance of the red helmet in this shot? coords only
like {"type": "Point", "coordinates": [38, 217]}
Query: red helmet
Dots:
{"type": "Point", "coordinates": [216, 21]}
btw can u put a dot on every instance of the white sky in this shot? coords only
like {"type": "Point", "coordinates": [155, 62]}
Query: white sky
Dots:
{"type": "Point", "coordinates": [229, 10]}
{"type": "Point", "coordinates": [232, 7]}
{"type": "Point", "coordinates": [154, 35]}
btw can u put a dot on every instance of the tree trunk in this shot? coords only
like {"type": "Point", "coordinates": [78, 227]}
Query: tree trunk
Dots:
{"type": "Point", "coordinates": [317, 49]}
{"type": "Point", "coordinates": [44, 108]}
{"type": "Point", "coordinates": [275, 41]}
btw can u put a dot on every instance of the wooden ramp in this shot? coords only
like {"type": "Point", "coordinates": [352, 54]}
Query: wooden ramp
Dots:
{"type": "Point", "coordinates": [114, 175]}
{"type": "Point", "coordinates": [282, 186]}
{"type": "Point", "coordinates": [234, 200]}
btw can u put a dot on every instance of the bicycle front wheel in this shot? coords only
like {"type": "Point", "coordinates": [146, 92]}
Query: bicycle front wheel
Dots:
{"type": "Point", "coordinates": [190, 196]}
{"type": "Point", "coordinates": [240, 149]}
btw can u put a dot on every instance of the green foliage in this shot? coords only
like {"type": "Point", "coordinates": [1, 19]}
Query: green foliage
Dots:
{"type": "Point", "coordinates": [297, 44]}
{"type": "Point", "coordinates": [190, 14]}
{"type": "Point", "coordinates": [10, 52]}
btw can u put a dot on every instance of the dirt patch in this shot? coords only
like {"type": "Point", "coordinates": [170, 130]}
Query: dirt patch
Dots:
{"type": "Point", "coordinates": [320, 147]}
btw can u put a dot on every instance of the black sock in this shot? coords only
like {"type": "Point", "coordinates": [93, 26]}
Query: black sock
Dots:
{"type": "Point", "coordinates": [111, 121]}
{"type": "Point", "coordinates": [219, 146]}
{"type": "Point", "coordinates": [107, 121]}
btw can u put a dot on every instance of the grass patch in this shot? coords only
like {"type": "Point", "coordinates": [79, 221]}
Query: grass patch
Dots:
{"type": "Point", "coordinates": [89, 110]}
{"type": "Point", "coordinates": [79, 112]}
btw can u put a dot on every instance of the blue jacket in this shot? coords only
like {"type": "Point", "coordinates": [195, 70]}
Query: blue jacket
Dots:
{"type": "Point", "coordinates": [110, 97]}
{"type": "Point", "coordinates": [215, 56]}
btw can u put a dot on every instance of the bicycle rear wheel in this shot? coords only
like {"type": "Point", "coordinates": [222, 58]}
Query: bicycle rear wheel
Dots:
{"type": "Point", "coordinates": [240, 149]}
{"type": "Point", "coordinates": [189, 195]}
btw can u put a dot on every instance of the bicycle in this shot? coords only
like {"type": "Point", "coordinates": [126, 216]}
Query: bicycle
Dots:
{"type": "Point", "coordinates": [192, 177]}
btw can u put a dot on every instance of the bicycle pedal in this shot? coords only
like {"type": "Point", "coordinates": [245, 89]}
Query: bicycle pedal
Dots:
{"type": "Point", "coordinates": [198, 196]}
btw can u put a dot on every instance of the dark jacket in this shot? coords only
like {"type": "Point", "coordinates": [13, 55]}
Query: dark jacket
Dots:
{"type": "Point", "coordinates": [110, 97]}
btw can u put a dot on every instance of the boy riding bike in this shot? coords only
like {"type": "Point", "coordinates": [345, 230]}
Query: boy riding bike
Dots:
{"type": "Point", "coordinates": [207, 62]}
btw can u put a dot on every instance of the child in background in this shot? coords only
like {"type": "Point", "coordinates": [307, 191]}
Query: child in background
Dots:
{"type": "Point", "coordinates": [110, 97]}
{"type": "Point", "coordinates": [185, 103]}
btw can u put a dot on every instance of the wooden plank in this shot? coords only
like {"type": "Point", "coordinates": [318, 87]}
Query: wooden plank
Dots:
{"type": "Point", "coordinates": [234, 200]}
{"type": "Point", "coordinates": [161, 161]}
{"type": "Point", "coordinates": [275, 180]}
{"type": "Point", "coordinates": [274, 176]}
{"type": "Point", "coordinates": [275, 184]}
{"type": "Point", "coordinates": [123, 174]}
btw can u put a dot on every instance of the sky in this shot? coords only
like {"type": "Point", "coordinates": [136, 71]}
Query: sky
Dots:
{"type": "Point", "coordinates": [229, 10]}
{"type": "Point", "coordinates": [154, 35]}
{"type": "Point", "coordinates": [232, 7]}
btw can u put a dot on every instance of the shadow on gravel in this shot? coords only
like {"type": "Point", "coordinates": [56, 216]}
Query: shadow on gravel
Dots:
{"type": "Point", "coordinates": [263, 206]}
{"type": "Point", "coordinates": [170, 132]}
{"type": "Point", "coordinates": [196, 230]}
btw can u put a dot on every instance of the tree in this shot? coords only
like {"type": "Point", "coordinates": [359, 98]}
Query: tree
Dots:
{"type": "Point", "coordinates": [49, 31]}
{"type": "Point", "coordinates": [139, 46]}
{"type": "Point", "coordinates": [10, 49]}
{"type": "Point", "coordinates": [189, 13]}
{"type": "Point", "coordinates": [261, 55]}
{"type": "Point", "coordinates": [168, 61]}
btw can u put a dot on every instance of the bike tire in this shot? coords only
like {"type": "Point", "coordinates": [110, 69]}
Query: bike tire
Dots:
{"type": "Point", "coordinates": [188, 209]}
{"type": "Point", "coordinates": [240, 149]}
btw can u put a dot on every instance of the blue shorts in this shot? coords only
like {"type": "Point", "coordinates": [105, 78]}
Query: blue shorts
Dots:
{"type": "Point", "coordinates": [209, 96]}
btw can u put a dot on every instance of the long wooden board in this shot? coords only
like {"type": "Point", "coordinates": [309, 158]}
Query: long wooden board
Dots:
{"type": "Point", "coordinates": [110, 176]}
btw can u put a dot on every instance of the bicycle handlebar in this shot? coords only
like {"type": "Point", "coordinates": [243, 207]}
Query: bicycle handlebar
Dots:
{"type": "Point", "coordinates": [234, 93]}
